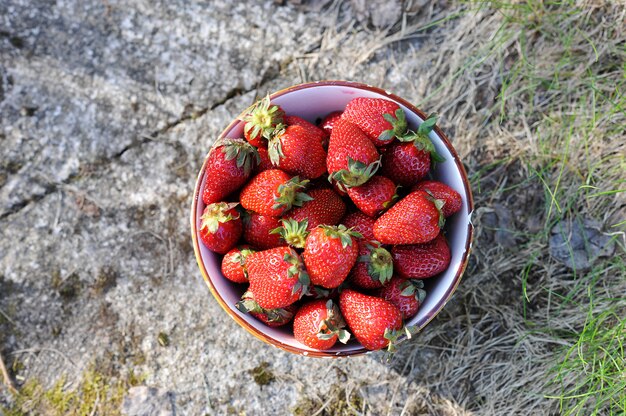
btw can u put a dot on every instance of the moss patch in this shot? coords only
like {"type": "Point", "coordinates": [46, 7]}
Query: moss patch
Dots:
{"type": "Point", "coordinates": [94, 394]}
{"type": "Point", "coordinates": [261, 374]}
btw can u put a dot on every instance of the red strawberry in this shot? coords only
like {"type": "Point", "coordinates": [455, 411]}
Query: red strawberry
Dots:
{"type": "Point", "coordinates": [277, 277]}
{"type": "Point", "coordinates": [451, 198]}
{"type": "Point", "coordinates": [321, 134]}
{"type": "Point", "coordinates": [270, 317]}
{"type": "Point", "coordinates": [361, 223]}
{"type": "Point", "coordinates": [257, 228]}
{"type": "Point", "coordinates": [273, 192]}
{"type": "Point", "coordinates": [318, 324]}
{"type": "Point", "coordinates": [220, 227]}
{"type": "Point", "coordinates": [415, 219]}
{"type": "Point", "coordinates": [407, 162]}
{"type": "Point", "coordinates": [234, 264]}
{"type": "Point", "coordinates": [325, 208]}
{"type": "Point", "coordinates": [380, 119]}
{"type": "Point", "coordinates": [375, 322]}
{"type": "Point", "coordinates": [264, 161]}
{"type": "Point", "coordinates": [228, 168]}
{"type": "Point", "coordinates": [420, 261]}
{"type": "Point", "coordinates": [329, 254]}
{"type": "Point", "coordinates": [407, 295]}
{"type": "Point", "coordinates": [374, 266]}
{"type": "Point", "coordinates": [299, 151]}
{"type": "Point", "coordinates": [352, 158]}
{"type": "Point", "coordinates": [375, 196]}
{"type": "Point", "coordinates": [261, 120]}
{"type": "Point", "coordinates": [329, 121]}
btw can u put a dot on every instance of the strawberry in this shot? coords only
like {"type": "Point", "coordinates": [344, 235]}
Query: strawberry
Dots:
{"type": "Point", "coordinates": [415, 219]}
{"type": "Point", "coordinates": [220, 227]}
{"type": "Point", "coordinates": [264, 161]}
{"type": "Point", "coordinates": [257, 228]}
{"type": "Point", "coordinates": [374, 266]}
{"type": "Point", "coordinates": [277, 277]}
{"type": "Point", "coordinates": [407, 295]}
{"type": "Point", "coordinates": [228, 167]}
{"type": "Point", "coordinates": [321, 134]}
{"type": "Point", "coordinates": [318, 324]}
{"type": "Point", "coordinates": [298, 150]}
{"type": "Point", "coordinates": [420, 261]}
{"type": "Point", "coordinates": [352, 158]}
{"type": "Point", "coordinates": [361, 223]}
{"type": "Point", "coordinates": [408, 161]}
{"type": "Point", "coordinates": [270, 317]}
{"type": "Point", "coordinates": [451, 198]}
{"type": "Point", "coordinates": [329, 121]}
{"type": "Point", "coordinates": [329, 254]}
{"type": "Point", "coordinates": [234, 264]}
{"type": "Point", "coordinates": [374, 322]}
{"type": "Point", "coordinates": [261, 120]}
{"type": "Point", "coordinates": [273, 192]}
{"type": "Point", "coordinates": [375, 196]}
{"type": "Point", "coordinates": [325, 208]}
{"type": "Point", "coordinates": [380, 119]}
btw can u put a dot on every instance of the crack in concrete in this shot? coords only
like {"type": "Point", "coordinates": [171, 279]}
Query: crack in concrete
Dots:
{"type": "Point", "coordinates": [268, 75]}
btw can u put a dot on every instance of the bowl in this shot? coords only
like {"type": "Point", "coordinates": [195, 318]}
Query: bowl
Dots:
{"type": "Point", "coordinates": [312, 101]}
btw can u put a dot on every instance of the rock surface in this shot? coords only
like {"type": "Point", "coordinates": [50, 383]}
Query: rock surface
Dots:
{"type": "Point", "coordinates": [147, 401]}
{"type": "Point", "coordinates": [107, 110]}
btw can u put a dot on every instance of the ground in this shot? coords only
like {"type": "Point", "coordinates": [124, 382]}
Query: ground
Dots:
{"type": "Point", "coordinates": [107, 109]}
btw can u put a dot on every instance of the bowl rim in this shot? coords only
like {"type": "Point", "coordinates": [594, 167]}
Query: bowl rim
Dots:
{"type": "Point", "coordinates": [273, 341]}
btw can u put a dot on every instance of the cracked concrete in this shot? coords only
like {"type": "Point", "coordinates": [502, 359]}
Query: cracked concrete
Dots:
{"type": "Point", "coordinates": [107, 110]}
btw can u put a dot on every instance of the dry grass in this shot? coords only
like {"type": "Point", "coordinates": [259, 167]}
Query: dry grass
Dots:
{"type": "Point", "coordinates": [539, 116]}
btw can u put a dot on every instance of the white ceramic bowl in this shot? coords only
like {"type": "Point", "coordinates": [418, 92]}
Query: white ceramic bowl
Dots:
{"type": "Point", "coordinates": [312, 101]}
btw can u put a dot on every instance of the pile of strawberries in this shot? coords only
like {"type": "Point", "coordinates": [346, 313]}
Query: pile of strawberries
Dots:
{"type": "Point", "coordinates": [331, 226]}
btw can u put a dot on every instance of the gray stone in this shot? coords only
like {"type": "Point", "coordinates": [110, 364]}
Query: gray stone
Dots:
{"type": "Point", "coordinates": [148, 401]}
{"type": "Point", "coordinates": [380, 13]}
{"type": "Point", "coordinates": [577, 243]}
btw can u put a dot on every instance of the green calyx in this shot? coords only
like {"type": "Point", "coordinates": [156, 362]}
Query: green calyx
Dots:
{"type": "Point", "coordinates": [247, 304]}
{"type": "Point", "coordinates": [293, 232]}
{"type": "Point", "coordinates": [439, 203]}
{"type": "Point", "coordinates": [413, 287]}
{"type": "Point", "coordinates": [421, 140]}
{"type": "Point", "coordinates": [217, 213]}
{"type": "Point", "coordinates": [262, 118]}
{"type": "Point", "coordinates": [393, 336]}
{"type": "Point", "coordinates": [393, 198]}
{"type": "Point", "coordinates": [344, 234]}
{"type": "Point", "coordinates": [398, 126]}
{"type": "Point", "coordinates": [275, 146]}
{"type": "Point", "coordinates": [356, 175]}
{"type": "Point", "coordinates": [290, 195]}
{"type": "Point", "coordinates": [246, 155]}
{"type": "Point", "coordinates": [240, 258]}
{"type": "Point", "coordinates": [296, 270]}
{"type": "Point", "coordinates": [333, 325]}
{"type": "Point", "coordinates": [379, 262]}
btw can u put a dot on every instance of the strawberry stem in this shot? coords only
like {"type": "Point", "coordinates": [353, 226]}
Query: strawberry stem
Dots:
{"type": "Point", "coordinates": [217, 213]}
{"type": "Point", "coordinates": [342, 233]}
{"type": "Point", "coordinates": [289, 195]}
{"type": "Point", "coordinates": [262, 118]}
{"type": "Point", "coordinates": [293, 232]}
{"type": "Point", "coordinates": [380, 263]}
{"type": "Point", "coordinates": [246, 155]}
{"type": "Point", "coordinates": [356, 175]}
